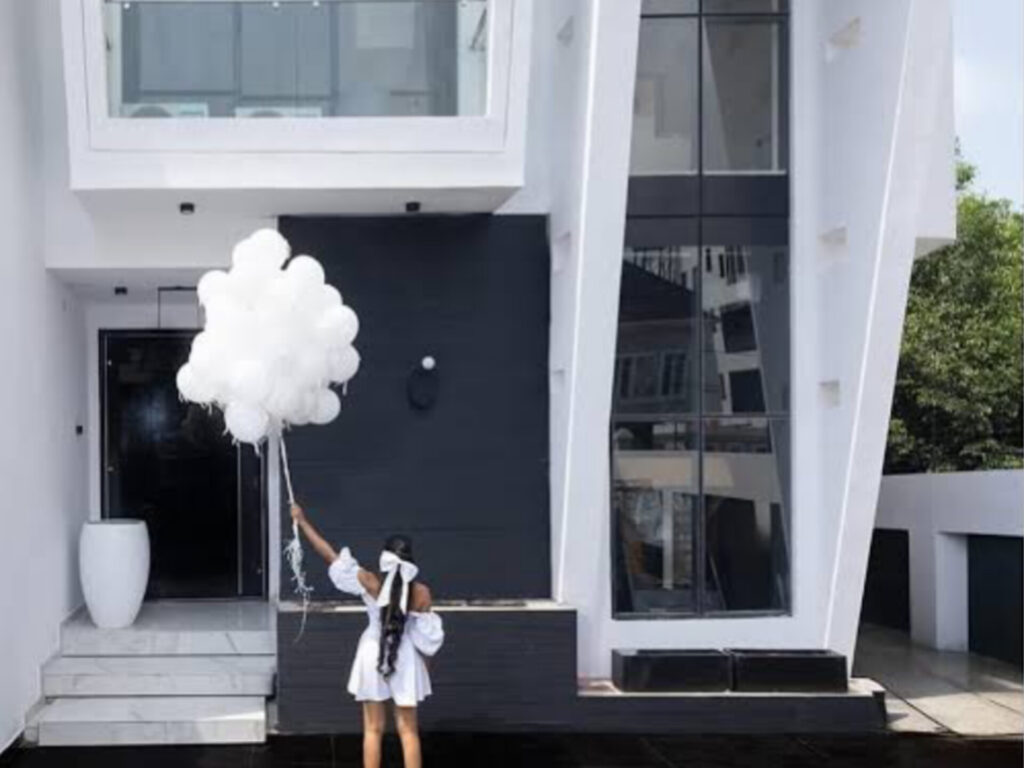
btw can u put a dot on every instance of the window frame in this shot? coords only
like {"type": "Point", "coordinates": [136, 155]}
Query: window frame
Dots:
{"type": "Point", "coordinates": [705, 199]}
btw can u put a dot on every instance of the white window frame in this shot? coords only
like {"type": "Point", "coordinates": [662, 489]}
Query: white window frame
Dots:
{"type": "Point", "coordinates": [385, 135]}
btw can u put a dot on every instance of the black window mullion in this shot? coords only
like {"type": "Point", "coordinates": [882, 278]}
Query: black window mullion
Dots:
{"type": "Point", "coordinates": [700, 546]}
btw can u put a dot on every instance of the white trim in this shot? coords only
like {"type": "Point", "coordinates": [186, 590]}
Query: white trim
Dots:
{"type": "Point", "coordinates": [863, 367]}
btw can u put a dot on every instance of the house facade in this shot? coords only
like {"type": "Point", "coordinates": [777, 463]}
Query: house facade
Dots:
{"type": "Point", "coordinates": [659, 251]}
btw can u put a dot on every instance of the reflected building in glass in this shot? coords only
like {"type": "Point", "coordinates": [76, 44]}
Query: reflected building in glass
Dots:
{"type": "Point", "coordinates": [700, 414]}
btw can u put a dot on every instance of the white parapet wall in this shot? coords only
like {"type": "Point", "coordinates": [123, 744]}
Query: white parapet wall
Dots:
{"type": "Point", "coordinates": [939, 511]}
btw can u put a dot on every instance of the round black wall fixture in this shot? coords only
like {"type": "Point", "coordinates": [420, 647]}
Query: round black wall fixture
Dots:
{"type": "Point", "coordinates": [423, 385]}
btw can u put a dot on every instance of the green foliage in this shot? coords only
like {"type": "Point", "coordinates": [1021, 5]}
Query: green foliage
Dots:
{"type": "Point", "coordinates": [959, 389]}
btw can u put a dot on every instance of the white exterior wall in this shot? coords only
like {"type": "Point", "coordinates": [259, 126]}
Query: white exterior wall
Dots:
{"type": "Point", "coordinates": [871, 183]}
{"type": "Point", "coordinates": [939, 511]}
{"type": "Point", "coordinates": [886, 194]}
{"type": "Point", "coordinates": [42, 459]}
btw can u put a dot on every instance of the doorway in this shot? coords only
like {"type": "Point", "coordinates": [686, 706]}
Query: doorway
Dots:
{"type": "Point", "coordinates": [171, 464]}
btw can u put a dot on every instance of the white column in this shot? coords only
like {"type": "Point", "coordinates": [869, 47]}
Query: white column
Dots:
{"type": "Point", "coordinates": [950, 592]}
{"type": "Point", "coordinates": [938, 589]}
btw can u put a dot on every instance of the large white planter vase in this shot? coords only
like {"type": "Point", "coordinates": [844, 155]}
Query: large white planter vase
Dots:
{"type": "Point", "coordinates": [113, 564]}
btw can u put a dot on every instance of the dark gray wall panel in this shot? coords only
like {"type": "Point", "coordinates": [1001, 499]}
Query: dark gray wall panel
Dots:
{"type": "Point", "coordinates": [468, 480]}
{"type": "Point", "coordinates": [995, 597]}
{"type": "Point", "coordinates": [498, 667]}
{"type": "Point", "coordinates": [514, 670]}
{"type": "Point", "coordinates": [887, 587]}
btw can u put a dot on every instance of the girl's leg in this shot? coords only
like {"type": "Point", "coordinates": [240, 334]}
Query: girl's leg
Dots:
{"type": "Point", "coordinates": [409, 733]}
{"type": "Point", "coordinates": [374, 715]}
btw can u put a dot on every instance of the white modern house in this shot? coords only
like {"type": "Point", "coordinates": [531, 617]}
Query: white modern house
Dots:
{"type": "Point", "coordinates": [660, 251]}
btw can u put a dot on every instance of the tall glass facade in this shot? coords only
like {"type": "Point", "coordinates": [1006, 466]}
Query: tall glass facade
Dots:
{"type": "Point", "coordinates": [700, 416]}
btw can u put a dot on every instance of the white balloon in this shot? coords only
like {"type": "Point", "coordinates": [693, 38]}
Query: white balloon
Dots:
{"type": "Point", "coordinates": [247, 423]}
{"type": "Point", "coordinates": [211, 285]}
{"type": "Point", "coordinates": [338, 327]}
{"type": "Point", "coordinates": [328, 406]}
{"type": "Point", "coordinates": [306, 271]}
{"type": "Point", "coordinates": [264, 250]}
{"type": "Point", "coordinates": [274, 337]}
{"type": "Point", "coordinates": [343, 365]}
{"type": "Point", "coordinates": [330, 297]}
{"type": "Point", "coordinates": [305, 407]}
{"type": "Point", "coordinates": [280, 297]}
{"type": "Point", "coordinates": [192, 387]}
{"type": "Point", "coordinates": [205, 354]}
{"type": "Point", "coordinates": [311, 365]}
{"type": "Point", "coordinates": [250, 381]}
{"type": "Point", "coordinates": [286, 398]}
{"type": "Point", "coordinates": [226, 312]}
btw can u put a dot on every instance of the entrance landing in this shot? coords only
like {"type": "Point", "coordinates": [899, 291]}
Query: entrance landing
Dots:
{"type": "Point", "coordinates": [186, 672]}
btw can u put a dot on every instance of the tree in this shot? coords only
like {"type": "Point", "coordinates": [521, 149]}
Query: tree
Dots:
{"type": "Point", "coordinates": [958, 398]}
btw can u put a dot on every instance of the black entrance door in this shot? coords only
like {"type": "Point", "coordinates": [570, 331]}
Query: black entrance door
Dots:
{"type": "Point", "coordinates": [170, 463]}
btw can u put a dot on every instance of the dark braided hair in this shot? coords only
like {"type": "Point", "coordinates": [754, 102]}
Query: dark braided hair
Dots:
{"type": "Point", "coordinates": [392, 620]}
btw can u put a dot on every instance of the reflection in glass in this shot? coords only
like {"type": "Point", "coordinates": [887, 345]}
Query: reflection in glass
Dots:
{"type": "Point", "coordinates": [746, 519]}
{"type": "Point", "coordinates": [745, 6]}
{"type": "Point", "coordinates": [699, 430]}
{"type": "Point", "coordinates": [299, 60]}
{"type": "Point", "coordinates": [742, 119]}
{"type": "Point", "coordinates": [746, 329]}
{"type": "Point", "coordinates": [665, 108]}
{"type": "Point", "coordinates": [668, 7]}
{"type": "Point", "coordinates": [655, 549]}
{"type": "Point", "coordinates": [656, 354]}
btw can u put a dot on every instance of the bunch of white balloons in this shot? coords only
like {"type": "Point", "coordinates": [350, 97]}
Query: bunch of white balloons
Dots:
{"type": "Point", "coordinates": [275, 340]}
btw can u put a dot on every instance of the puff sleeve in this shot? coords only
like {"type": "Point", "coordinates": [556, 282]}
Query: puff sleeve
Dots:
{"type": "Point", "coordinates": [344, 573]}
{"type": "Point", "coordinates": [426, 632]}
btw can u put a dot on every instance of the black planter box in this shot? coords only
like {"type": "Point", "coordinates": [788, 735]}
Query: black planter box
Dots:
{"type": "Point", "coordinates": [671, 671]}
{"type": "Point", "coordinates": [799, 671]}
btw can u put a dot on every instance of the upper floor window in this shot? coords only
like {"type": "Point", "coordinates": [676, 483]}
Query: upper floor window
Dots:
{"type": "Point", "coordinates": [296, 58]}
{"type": "Point", "coordinates": [710, 88]}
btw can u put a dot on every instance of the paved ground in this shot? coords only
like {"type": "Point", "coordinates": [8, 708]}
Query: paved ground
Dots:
{"type": "Point", "coordinates": [471, 751]}
{"type": "Point", "coordinates": [934, 700]}
{"type": "Point", "coordinates": [940, 692]}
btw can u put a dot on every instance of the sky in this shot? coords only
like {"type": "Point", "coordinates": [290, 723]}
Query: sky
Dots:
{"type": "Point", "coordinates": [988, 43]}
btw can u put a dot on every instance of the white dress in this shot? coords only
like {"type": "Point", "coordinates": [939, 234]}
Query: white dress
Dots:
{"type": "Point", "coordinates": [409, 684]}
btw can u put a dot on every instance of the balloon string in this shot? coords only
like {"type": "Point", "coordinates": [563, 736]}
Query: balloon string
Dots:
{"type": "Point", "coordinates": [287, 473]}
{"type": "Point", "coordinates": [293, 550]}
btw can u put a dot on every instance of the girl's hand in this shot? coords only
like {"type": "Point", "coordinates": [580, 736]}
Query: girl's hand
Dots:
{"type": "Point", "coordinates": [297, 514]}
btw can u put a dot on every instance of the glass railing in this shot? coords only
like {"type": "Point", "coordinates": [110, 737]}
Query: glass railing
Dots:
{"type": "Point", "coordinates": [296, 58]}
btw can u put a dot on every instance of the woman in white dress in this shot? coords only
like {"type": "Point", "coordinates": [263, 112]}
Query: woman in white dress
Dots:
{"type": "Point", "coordinates": [401, 631]}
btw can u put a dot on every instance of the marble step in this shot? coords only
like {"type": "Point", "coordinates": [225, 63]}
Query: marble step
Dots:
{"type": "Point", "coordinates": [159, 676]}
{"type": "Point", "coordinates": [153, 720]}
{"type": "Point", "coordinates": [173, 628]}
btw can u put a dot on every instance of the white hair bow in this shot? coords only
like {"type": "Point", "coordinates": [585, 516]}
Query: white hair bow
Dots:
{"type": "Point", "coordinates": [390, 564]}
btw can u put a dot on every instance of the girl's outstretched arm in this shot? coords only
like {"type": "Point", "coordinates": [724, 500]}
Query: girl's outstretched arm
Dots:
{"type": "Point", "coordinates": [319, 543]}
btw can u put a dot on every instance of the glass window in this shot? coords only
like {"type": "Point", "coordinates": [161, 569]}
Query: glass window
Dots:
{"type": "Point", "coordinates": [745, 6]}
{"type": "Point", "coordinates": [742, 119]}
{"type": "Point", "coordinates": [655, 520]}
{"type": "Point", "coordinates": [700, 413]}
{"type": "Point", "coordinates": [746, 328]}
{"type": "Point", "coordinates": [668, 7]}
{"type": "Point", "coordinates": [665, 115]}
{"type": "Point", "coordinates": [657, 345]}
{"type": "Point", "coordinates": [745, 464]}
{"type": "Point", "coordinates": [288, 59]}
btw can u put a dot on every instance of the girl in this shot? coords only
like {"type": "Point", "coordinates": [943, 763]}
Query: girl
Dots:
{"type": "Point", "coordinates": [402, 630]}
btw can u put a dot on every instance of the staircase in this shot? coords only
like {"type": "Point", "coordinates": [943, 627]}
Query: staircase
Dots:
{"type": "Point", "coordinates": [184, 673]}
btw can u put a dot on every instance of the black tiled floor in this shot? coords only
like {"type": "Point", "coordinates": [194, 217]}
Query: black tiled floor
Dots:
{"type": "Point", "coordinates": [541, 751]}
